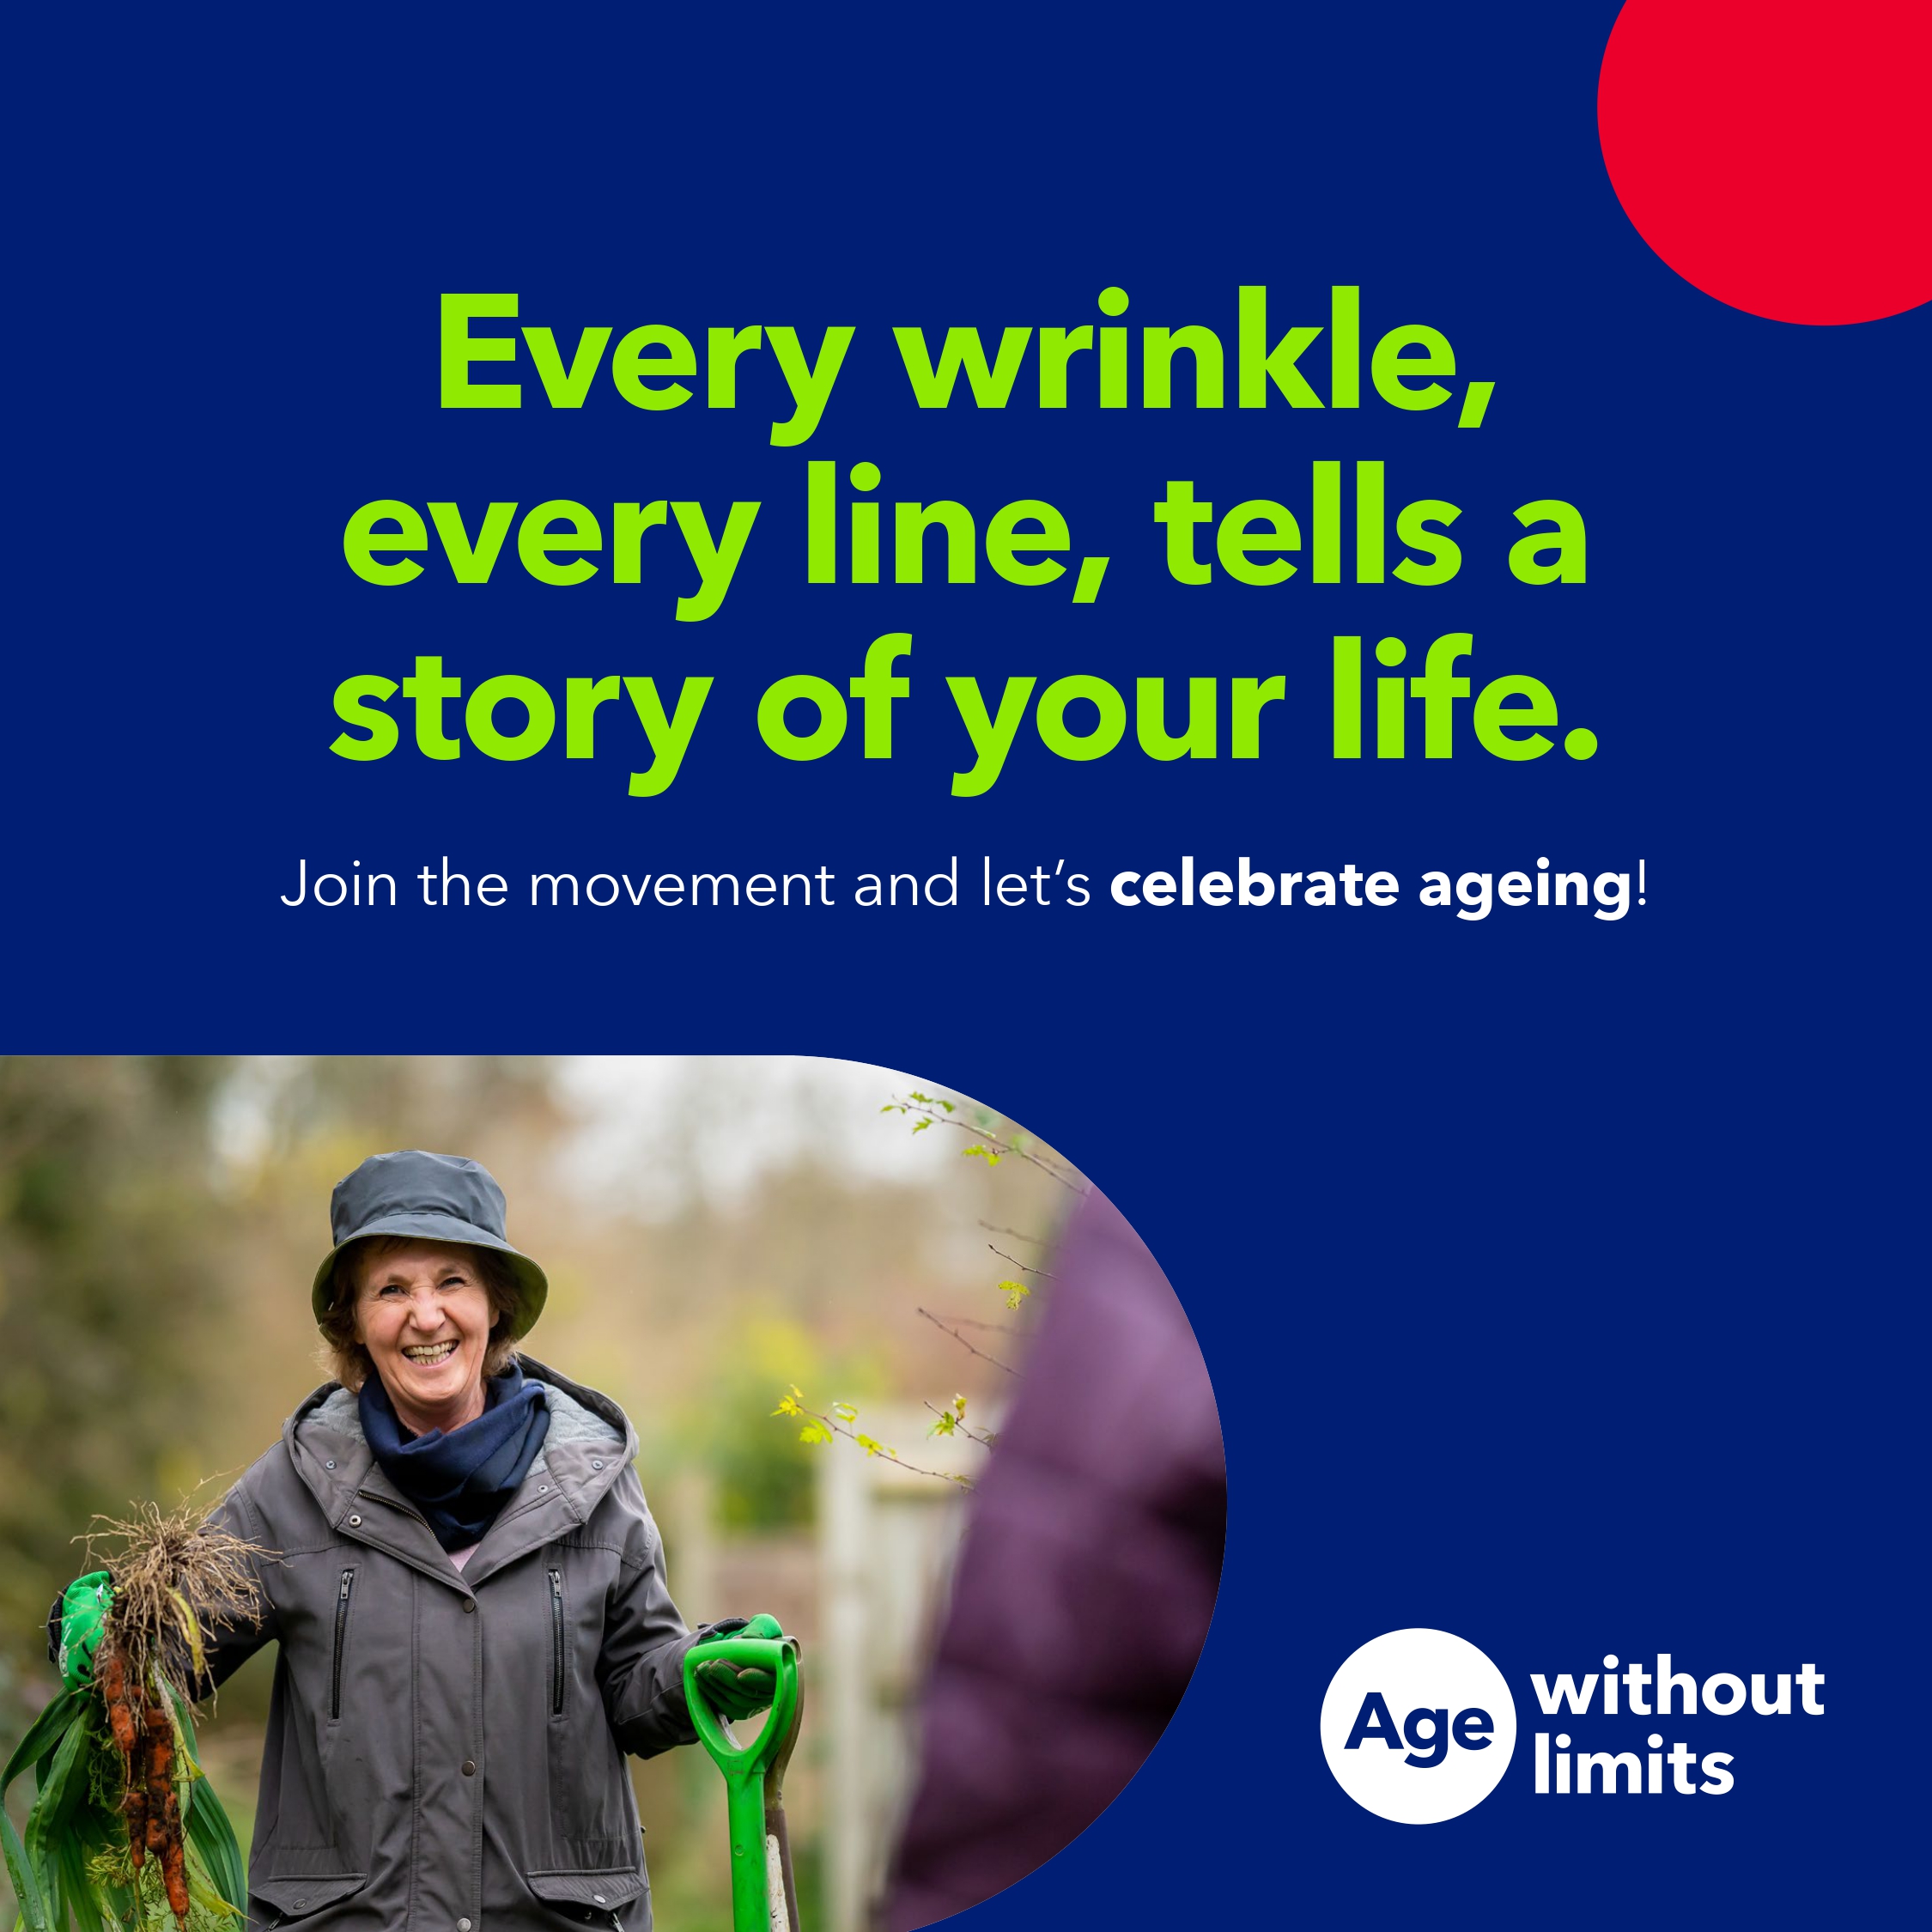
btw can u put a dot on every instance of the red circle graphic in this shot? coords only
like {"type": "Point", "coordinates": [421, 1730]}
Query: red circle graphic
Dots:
{"type": "Point", "coordinates": [1778, 153]}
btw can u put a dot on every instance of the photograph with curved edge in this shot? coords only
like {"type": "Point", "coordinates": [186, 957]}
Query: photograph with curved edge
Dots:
{"type": "Point", "coordinates": [776, 1494]}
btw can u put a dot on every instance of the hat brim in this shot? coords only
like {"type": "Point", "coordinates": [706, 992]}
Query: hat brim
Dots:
{"type": "Point", "coordinates": [533, 1286]}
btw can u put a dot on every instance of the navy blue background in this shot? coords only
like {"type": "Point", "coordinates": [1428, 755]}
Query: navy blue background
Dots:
{"type": "Point", "coordinates": [1552, 1272]}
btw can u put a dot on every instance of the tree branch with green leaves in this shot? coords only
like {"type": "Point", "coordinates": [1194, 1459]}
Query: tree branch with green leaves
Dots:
{"type": "Point", "coordinates": [820, 1428]}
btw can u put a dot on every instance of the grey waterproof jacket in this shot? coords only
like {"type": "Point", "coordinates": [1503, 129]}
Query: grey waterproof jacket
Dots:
{"type": "Point", "coordinates": [445, 1749]}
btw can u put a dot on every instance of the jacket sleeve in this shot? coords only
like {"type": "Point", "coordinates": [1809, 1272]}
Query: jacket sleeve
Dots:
{"type": "Point", "coordinates": [641, 1669]}
{"type": "Point", "coordinates": [227, 1649]}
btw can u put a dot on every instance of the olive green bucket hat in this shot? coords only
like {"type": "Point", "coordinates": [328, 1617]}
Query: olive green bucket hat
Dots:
{"type": "Point", "coordinates": [427, 1197]}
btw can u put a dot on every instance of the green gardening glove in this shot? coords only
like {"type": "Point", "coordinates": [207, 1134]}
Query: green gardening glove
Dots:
{"type": "Point", "coordinates": [83, 1609]}
{"type": "Point", "coordinates": [735, 1691]}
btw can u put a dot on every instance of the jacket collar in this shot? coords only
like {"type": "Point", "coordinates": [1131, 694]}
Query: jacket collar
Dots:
{"type": "Point", "coordinates": [589, 1445]}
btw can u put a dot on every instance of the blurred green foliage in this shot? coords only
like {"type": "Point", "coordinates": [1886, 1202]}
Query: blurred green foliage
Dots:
{"type": "Point", "coordinates": [762, 1483]}
{"type": "Point", "coordinates": [110, 1265]}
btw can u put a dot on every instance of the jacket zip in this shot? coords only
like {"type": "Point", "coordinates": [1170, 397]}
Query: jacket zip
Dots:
{"type": "Point", "coordinates": [342, 1626]}
{"type": "Point", "coordinates": [556, 1644]}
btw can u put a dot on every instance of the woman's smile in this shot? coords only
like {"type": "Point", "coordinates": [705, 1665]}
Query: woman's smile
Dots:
{"type": "Point", "coordinates": [423, 1314]}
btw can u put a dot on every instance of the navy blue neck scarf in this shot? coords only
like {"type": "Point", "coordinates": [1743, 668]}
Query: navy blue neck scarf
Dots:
{"type": "Point", "coordinates": [460, 1479]}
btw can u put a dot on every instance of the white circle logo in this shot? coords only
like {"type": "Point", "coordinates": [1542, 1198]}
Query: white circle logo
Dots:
{"type": "Point", "coordinates": [1418, 1726]}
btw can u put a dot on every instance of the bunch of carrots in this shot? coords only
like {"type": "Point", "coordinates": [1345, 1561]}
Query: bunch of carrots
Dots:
{"type": "Point", "coordinates": [151, 1806]}
{"type": "Point", "coordinates": [124, 1832]}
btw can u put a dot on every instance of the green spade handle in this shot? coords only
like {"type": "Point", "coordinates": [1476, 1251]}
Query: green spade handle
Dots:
{"type": "Point", "coordinates": [764, 1898]}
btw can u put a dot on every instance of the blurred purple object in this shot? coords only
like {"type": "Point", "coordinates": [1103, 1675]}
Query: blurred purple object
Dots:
{"type": "Point", "coordinates": [1084, 1585]}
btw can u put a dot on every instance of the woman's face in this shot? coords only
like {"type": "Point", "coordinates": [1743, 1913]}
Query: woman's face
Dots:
{"type": "Point", "coordinates": [423, 1314]}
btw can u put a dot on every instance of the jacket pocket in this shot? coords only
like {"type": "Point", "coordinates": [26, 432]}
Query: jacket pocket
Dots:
{"type": "Point", "coordinates": [296, 1897]}
{"type": "Point", "coordinates": [587, 1820]}
{"type": "Point", "coordinates": [594, 1897]}
{"type": "Point", "coordinates": [344, 1591]}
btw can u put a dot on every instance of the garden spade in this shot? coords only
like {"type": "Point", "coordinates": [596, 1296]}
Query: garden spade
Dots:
{"type": "Point", "coordinates": [764, 1898]}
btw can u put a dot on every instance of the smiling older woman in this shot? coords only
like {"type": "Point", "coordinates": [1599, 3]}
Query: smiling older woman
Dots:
{"type": "Point", "coordinates": [468, 1594]}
